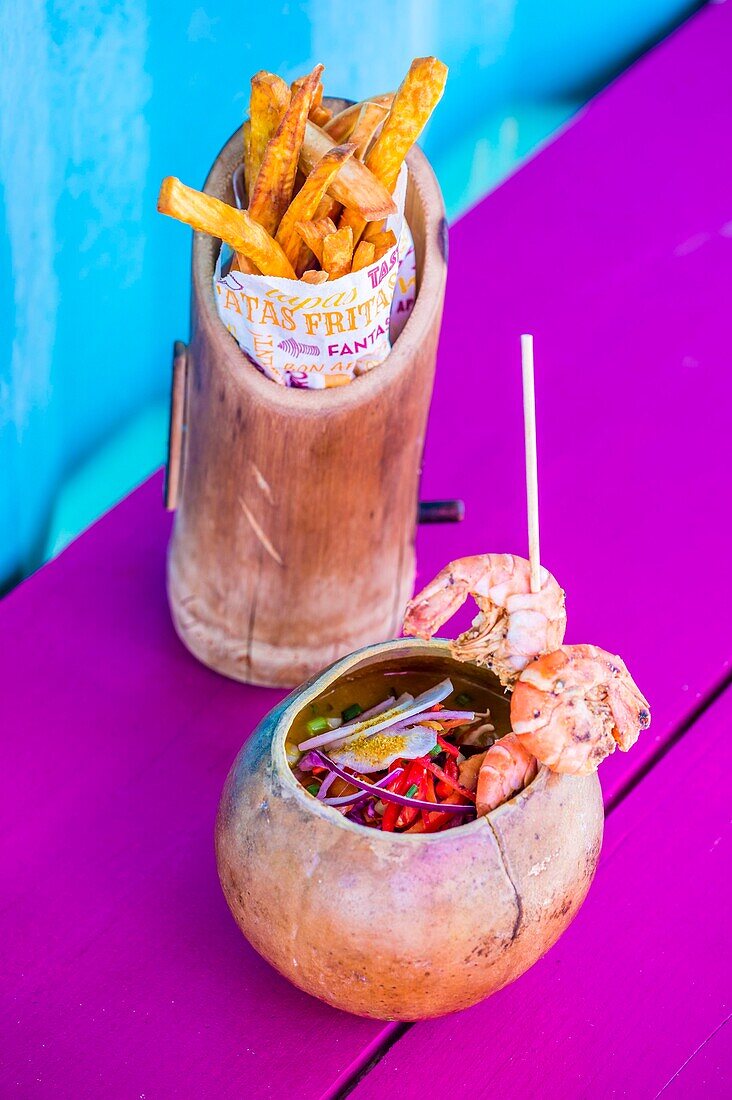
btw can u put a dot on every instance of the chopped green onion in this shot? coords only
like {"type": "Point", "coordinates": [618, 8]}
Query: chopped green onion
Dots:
{"type": "Point", "coordinates": [410, 793]}
{"type": "Point", "coordinates": [317, 725]}
{"type": "Point", "coordinates": [313, 788]}
{"type": "Point", "coordinates": [436, 750]}
{"type": "Point", "coordinates": [351, 712]}
{"type": "Point", "coordinates": [462, 699]}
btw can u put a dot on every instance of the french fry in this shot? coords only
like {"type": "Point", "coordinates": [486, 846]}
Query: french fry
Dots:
{"type": "Point", "coordinates": [382, 242]}
{"type": "Point", "coordinates": [217, 218]}
{"type": "Point", "coordinates": [268, 102]}
{"type": "Point", "coordinates": [272, 190]}
{"type": "Point", "coordinates": [305, 203]}
{"type": "Point", "coordinates": [318, 113]}
{"type": "Point", "coordinates": [338, 252]}
{"type": "Point", "coordinates": [327, 208]}
{"type": "Point", "coordinates": [341, 125]}
{"type": "Point", "coordinates": [363, 256]}
{"type": "Point", "coordinates": [246, 131]}
{"type": "Point", "coordinates": [370, 118]}
{"type": "Point", "coordinates": [239, 262]}
{"type": "Point", "coordinates": [354, 186]}
{"type": "Point", "coordinates": [315, 277]}
{"type": "Point", "coordinates": [314, 233]}
{"type": "Point", "coordinates": [416, 98]}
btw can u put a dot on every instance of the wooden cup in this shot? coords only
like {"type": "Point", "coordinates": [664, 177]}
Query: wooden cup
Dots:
{"type": "Point", "coordinates": [293, 540]}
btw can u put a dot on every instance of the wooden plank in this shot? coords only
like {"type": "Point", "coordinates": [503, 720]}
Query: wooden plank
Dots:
{"type": "Point", "coordinates": [123, 972]}
{"type": "Point", "coordinates": [637, 984]}
{"type": "Point", "coordinates": [707, 1072]}
{"type": "Point", "coordinates": [614, 247]}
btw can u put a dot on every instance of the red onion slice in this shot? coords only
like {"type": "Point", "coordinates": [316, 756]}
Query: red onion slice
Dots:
{"type": "Point", "coordinates": [346, 799]}
{"type": "Point", "coordinates": [432, 716]}
{"type": "Point", "coordinates": [389, 796]}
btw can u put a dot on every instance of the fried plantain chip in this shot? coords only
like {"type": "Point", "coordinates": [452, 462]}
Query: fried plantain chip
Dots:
{"type": "Point", "coordinates": [268, 102]}
{"type": "Point", "coordinates": [338, 252]}
{"type": "Point", "coordinates": [217, 218]}
{"type": "Point", "coordinates": [341, 125]}
{"type": "Point", "coordinates": [354, 186]}
{"type": "Point", "coordinates": [307, 200]}
{"type": "Point", "coordinates": [363, 256]}
{"type": "Point", "coordinates": [315, 277]}
{"type": "Point", "coordinates": [272, 190]}
{"type": "Point", "coordinates": [417, 96]}
{"type": "Point", "coordinates": [313, 234]}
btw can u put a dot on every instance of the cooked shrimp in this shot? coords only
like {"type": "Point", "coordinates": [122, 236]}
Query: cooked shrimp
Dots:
{"type": "Point", "coordinates": [572, 707]}
{"type": "Point", "coordinates": [506, 769]}
{"type": "Point", "coordinates": [514, 624]}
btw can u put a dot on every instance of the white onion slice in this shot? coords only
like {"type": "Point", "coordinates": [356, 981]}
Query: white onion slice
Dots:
{"type": "Point", "coordinates": [397, 713]}
{"type": "Point", "coordinates": [407, 745]}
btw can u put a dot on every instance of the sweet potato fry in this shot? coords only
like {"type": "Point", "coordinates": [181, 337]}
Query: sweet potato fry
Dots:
{"type": "Point", "coordinates": [315, 277]}
{"type": "Point", "coordinates": [318, 113]}
{"type": "Point", "coordinates": [382, 242]}
{"type": "Point", "coordinates": [338, 252]}
{"type": "Point", "coordinates": [239, 262]}
{"type": "Point", "coordinates": [341, 125]}
{"type": "Point", "coordinates": [219, 219]}
{"type": "Point", "coordinates": [327, 208]}
{"type": "Point", "coordinates": [314, 233]}
{"type": "Point", "coordinates": [246, 131]}
{"type": "Point", "coordinates": [272, 190]}
{"type": "Point", "coordinates": [267, 104]}
{"type": "Point", "coordinates": [370, 118]}
{"type": "Point", "coordinates": [305, 203]}
{"type": "Point", "coordinates": [416, 98]}
{"type": "Point", "coordinates": [354, 186]}
{"type": "Point", "coordinates": [363, 256]}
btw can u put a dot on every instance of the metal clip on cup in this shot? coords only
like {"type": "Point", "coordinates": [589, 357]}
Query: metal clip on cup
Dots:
{"type": "Point", "coordinates": [441, 511]}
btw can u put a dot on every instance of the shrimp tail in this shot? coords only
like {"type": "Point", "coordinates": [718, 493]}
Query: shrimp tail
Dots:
{"type": "Point", "coordinates": [506, 769]}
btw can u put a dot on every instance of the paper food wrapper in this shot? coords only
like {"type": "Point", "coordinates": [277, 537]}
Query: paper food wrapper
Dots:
{"type": "Point", "coordinates": [314, 337]}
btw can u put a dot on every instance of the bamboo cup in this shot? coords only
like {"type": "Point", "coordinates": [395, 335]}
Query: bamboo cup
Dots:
{"type": "Point", "coordinates": [293, 540]}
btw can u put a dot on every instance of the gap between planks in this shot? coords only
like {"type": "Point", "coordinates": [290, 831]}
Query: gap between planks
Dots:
{"type": "Point", "coordinates": [373, 1054]}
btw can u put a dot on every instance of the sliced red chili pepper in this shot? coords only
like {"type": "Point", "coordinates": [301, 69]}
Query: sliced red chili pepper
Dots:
{"type": "Point", "coordinates": [391, 812]}
{"type": "Point", "coordinates": [453, 750]}
{"type": "Point", "coordinates": [429, 795]}
{"type": "Point", "coordinates": [442, 821]}
{"type": "Point", "coordinates": [416, 776]}
{"type": "Point", "coordinates": [448, 780]}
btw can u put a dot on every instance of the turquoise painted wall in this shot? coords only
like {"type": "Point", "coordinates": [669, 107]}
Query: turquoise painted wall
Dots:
{"type": "Point", "coordinates": [98, 101]}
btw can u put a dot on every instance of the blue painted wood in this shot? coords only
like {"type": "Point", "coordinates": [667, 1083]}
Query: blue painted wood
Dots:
{"type": "Point", "coordinates": [99, 102]}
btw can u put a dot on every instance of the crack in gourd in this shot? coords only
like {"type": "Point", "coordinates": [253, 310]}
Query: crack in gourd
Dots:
{"type": "Point", "coordinates": [504, 863]}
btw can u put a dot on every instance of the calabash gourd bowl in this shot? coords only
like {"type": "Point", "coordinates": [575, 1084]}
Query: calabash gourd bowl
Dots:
{"type": "Point", "coordinates": [398, 927]}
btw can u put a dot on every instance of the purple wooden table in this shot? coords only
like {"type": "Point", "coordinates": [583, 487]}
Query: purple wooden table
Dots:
{"type": "Point", "coordinates": [123, 974]}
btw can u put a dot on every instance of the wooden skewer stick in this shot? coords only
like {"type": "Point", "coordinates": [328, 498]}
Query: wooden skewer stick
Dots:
{"type": "Point", "coordinates": [532, 483]}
